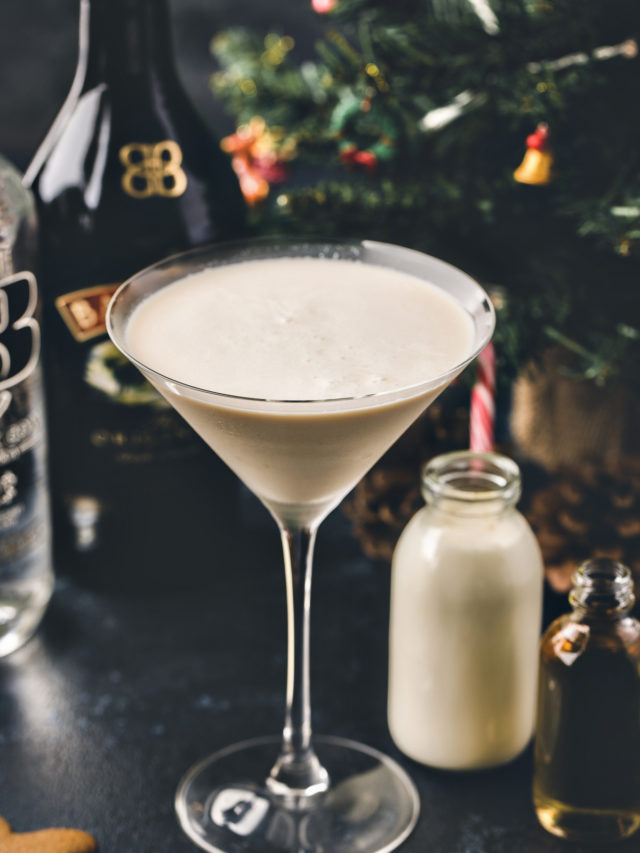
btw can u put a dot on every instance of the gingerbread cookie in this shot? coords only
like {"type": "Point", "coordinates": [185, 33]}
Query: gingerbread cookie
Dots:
{"type": "Point", "coordinates": [45, 841]}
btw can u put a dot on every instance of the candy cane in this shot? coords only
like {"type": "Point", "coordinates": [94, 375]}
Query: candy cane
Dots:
{"type": "Point", "coordinates": [482, 409]}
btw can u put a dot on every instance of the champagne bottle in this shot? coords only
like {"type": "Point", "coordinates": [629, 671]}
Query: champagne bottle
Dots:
{"type": "Point", "coordinates": [128, 174]}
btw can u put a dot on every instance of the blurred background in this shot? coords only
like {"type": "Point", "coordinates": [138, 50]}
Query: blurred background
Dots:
{"type": "Point", "coordinates": [499, 136]}
{"type": "Point", "coordinates": [38, 53]}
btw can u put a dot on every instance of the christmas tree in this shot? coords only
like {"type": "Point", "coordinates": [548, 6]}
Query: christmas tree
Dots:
{"type": "Point", "coordinates": [500, 135]}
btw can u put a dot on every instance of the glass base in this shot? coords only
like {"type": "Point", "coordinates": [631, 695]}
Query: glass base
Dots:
{"type": "Point", "coordinates": [371, 806]}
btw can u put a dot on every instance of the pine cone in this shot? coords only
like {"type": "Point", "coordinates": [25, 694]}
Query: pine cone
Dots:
{"type": "Point", "coordinates": [588, 512]}
{"type": "Point", "coordinates": [384, 501]}
{"type": "Point", "coordinates": [380, 507]}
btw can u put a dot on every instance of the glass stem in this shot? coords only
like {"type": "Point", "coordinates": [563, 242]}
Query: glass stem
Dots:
{"type": "Point", "coordinates": [298, 772]}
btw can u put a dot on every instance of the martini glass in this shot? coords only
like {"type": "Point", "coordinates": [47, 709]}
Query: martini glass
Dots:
{"type": "Point", "coordinates": [296, 792]}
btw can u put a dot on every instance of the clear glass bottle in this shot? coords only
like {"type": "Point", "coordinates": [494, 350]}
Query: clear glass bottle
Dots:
{"type": "Point", "coordinates": [466, 611]}
{"type": "Point", "coordinates": [127, 175]}
{"type": "Point", "coordinates": [26, 575]}
{"type": "Point", "coordinates": [587, 754]}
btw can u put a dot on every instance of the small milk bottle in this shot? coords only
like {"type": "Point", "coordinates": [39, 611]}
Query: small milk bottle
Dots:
{"type": "Point", "coordinates": [466, 610]}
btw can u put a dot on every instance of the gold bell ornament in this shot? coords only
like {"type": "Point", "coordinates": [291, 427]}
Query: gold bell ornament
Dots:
{"type": "Point", "coordinates": [538, 160]}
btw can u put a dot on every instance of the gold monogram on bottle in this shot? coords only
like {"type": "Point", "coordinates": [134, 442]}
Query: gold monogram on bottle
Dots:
{"type": "Point", "coordinates": [153, 169]}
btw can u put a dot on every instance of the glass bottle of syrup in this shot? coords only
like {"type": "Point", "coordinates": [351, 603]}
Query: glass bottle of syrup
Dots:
{"type": "Point", "coordinates": [587, 754]}
{"type": "Point", "coordinates": [128, 174]}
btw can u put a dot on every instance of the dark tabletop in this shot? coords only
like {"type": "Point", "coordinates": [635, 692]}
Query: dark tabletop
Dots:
{"type": "Point", "coordinates": [120, 692]}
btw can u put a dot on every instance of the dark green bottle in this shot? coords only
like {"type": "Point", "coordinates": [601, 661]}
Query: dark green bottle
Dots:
{"type": "Point", "coordinates": [127, 175]}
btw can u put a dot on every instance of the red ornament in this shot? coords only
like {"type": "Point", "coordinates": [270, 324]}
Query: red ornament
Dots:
{"type": "Point", "coordinates": [322, 7]}
{"type": "Point", "coordinates": [353, 156]}
{"type": "Point", "coordinates": [539, 140]}
{"type": "Point", "coordinates": [368, 160]}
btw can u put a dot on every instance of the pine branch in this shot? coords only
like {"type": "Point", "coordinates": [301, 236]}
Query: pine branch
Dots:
{"type": "Point", "coordinates": [478, 85]}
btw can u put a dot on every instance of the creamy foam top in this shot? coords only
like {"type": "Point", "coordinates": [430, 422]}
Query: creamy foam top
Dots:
{"type": "Point", "coordinates": [300, 329]}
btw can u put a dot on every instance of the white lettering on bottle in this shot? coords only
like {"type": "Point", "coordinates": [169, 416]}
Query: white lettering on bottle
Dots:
{"type": "Point", "coordinates": [25, 324]}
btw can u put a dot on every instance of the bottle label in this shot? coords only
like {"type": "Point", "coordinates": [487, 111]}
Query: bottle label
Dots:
{"type": "Point", "coordinates": [153, 169]}
{"type": "Point", "coordinates": [19, 332]}
{"type": "Point", "coordinates": [84, 311]}
{"type": "Point", "coordinates": [571, 642]}
{"type": "Point", "coordinates": [23, 513]}
{"type": "Point", "coordinates": [106, 369]}
{"type": "Point", "coordinates": [152, 426]}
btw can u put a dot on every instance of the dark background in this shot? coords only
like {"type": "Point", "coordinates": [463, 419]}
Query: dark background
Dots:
{"type": "Point", "coordinates": [38, 52]}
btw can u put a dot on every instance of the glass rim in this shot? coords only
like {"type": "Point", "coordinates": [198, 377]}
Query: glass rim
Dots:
{"type": "Point", "coordinates": [214, 254]}
{"type": "Point", "coordinates": [604, 583]}
{"type": "Point", "coordinates": [602, 571]}
{"type": "Point", "coordinates": [472, 477]}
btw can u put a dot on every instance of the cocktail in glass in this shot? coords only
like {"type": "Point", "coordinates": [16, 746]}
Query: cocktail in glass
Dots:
{"type": "Point", "coordinates": [300, 363]}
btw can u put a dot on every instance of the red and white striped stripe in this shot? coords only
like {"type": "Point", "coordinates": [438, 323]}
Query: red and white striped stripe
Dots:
{"type": "Point", "coordinates": [483, 409]}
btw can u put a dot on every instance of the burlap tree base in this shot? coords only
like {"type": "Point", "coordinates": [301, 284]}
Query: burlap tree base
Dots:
{"type": "Point", "coordinates": [560, 422]}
